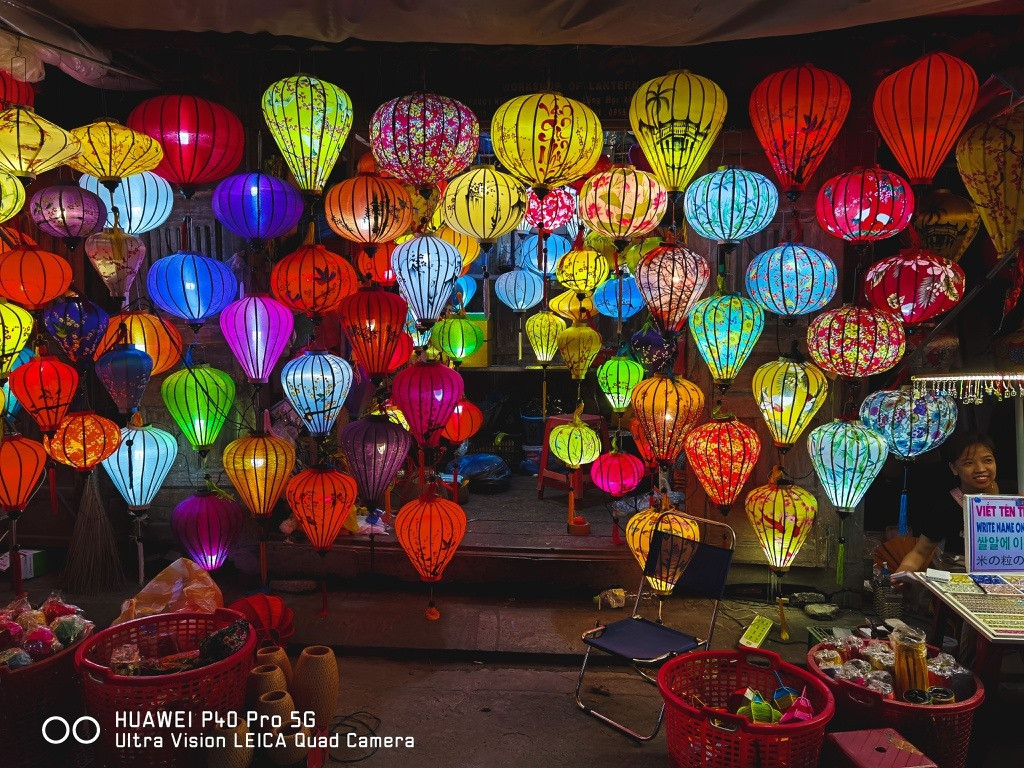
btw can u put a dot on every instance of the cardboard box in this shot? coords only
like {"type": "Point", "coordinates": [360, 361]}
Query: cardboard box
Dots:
{"type": "Point", "coordinates": [34, 562]}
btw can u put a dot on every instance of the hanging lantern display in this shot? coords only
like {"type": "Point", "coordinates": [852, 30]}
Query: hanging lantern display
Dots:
{"type": "Point", "coordinates": [945, 223]}
{"type": "Point", "coordinates": [554, 211]}
{"type": "Point", "coordinates": [546, 140]}
{"type": "Point", "coordinates": [722, 453]}
{"type": "Point", "coordinates": [652, 350]}
{"type": "Point", "coordinates": [111, 152]}
{"type": "Point", "coordinates": [45, 387]}
{"type": "Point", "coordinates": [666, 408]}
{"type": "Point", "coordinates": [312, 280]}
{"type": "Point", "coordinates": [637, 251]}
{"type": "Point", "coordinates": [256, 206]}
{"type": "Point", "coordinates": [15, 92]}
{"type": "Point", "coordinates": [582, 270]}
{"type": "Point", "coordinates": [921, 109]}
{"type": "Point", "coordinates": [116, 256]}
{"type": "Point", "coordinates": [865, 205]}
{"type": "Point", "coordinates": [570, 306]}
{"type": "Point", "coordinates": [375, 449]}
{"type": "Point", "coordinates": [617, 473]}
{"type": "Point", "coordinates": [725, 328]}
{"type": "Point", "coordinates": [427, 394]}
{"type": "Point", "coordinates": [21, 467]}
{"type": "Point", "coordinates": [309, 119]}
{"type": "Point", "coordinates": [424, 139]}
{"type": "Point", "coordinates": [617, 377]}
{"type": "Point", "coordinates": [484, 204]}
{"type": "Point", "coordinates": [82, 440]}
{"type": "Point", "coordinates": [457, 337]}
{"type": "Point", "coordinates": [781, 515]}
{"type": "Point", "coordinates": [207, 524]}
{"type": "Point", "coordinates": [12, 195]}
{"type": "Point", "coordinates": [622, 202]}
{"type": "Point", "coordinates": [519, 290]}
{"type": "Point", "coordinates": [464, 291]}
{"type": "Point", "coordinates": [65, 211]}
{"type": "Point", "coordinates": [199, 399]}
{"type": "Point", "coordinates": [368, 209]}
{"type": "Point", "coordinates": [855, 341]}
{"type": "Point", "coordinates": [202, 140]}
{"type": "Point", "coordinates": [321, 498]}
{"type": "Point", "coordinates": [464, 422]}
{"type": "Point", "coordinates": [543, 331]}
{"type": "Point", "coordinates": [257, 329]}
{"type": "Point", "coordinates": [372, 321]}
{"type": "Point", "coordinates": [30, 144]}
{"type": "Point", "coordinates": [542, 255]}
{"type": "Point", "coordinates": [642, 446]}
{"type": "Point", "coordinates": [429, 530]}
{"type": "Point", "coordinates": [606, 299]}
{"type": "Point", "coordinates": [316, 383]}
{"type": "Point", "coordinates": [579, 344]}
{"type": "Point", "coordinates": [259, 467]}
{"type": "Point", "coordinates": [143, 201]}
{"type": "Point", "coordinates": [32, 277]}
{"type": "Point", "coordinates": [790, 280]}
{"type": "Point", "coordinates": [124, 372]}
{"type": "Point", "coordinates": [15, 330]}
{"type": "Point", "coordinates": [788, 392]}
{"type": "Point", "coordinates": [672, 279]}
{"type": "Point", "coordinates": [464, 244]}
{"type": "Point", "coordinates": [191, 286]}
{"type": "Point", "coordinates": [156, 336]}
{"type": "Point", "coordinates": [676, 118]}
{"type": "Point", "coordinates": [915, 284]}
{"type": "Point", "coordinates": [426, 268]}
{"type": "Point", "coordinates": [730, 204]}
{"type": "Point", "coordinates": [797, 114]}
{"type": "Point", "coordinates": [639, 531]}
{"type": "Point", "coordinates": [376, 267]}
{"type": "Point", "coordinates": [141, 463]}
{"type": "Point", "coordinates": [76, 324]}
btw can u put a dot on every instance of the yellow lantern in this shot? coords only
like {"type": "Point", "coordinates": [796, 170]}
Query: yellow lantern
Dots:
{"type": "Point", "coordinates": [676, 118]}
{"type": "Point", "coordinates": [111, 151]}
{"type": "Point", "coordinates": [546, 139]}
{"type": "Point", "coordinates": [666, 408]}
{"type": "Point", "coordinates": [15, 330]}
{"type": "Point", "coordinates": [569, 305]}
{"type": "Point", "coordinates": [30, 144]}
{"type": "Point", "coordinates": [788, 392]}
{"type": "Point", "coordinates": [543, 329]}
{"type": "Point", "coordinates": [575, 443]}
{"type": "Point", "coordinates": [12, 195]}
{"type": "Point", "coordinates": [582, 270]}
{"type": "Point", "coordinates": [393, 414]}
{"type": "Point", "coordinates": [579, 345]}
{"type": "Point", "coordinates": [622, 202]}
{"type": "Point", "coordinates": [309, 119]}
{"type": "Point", "coordinates": [603, 246]}
{"type": "Point", "coordinates": [781, 515]}
{"type": "Point", "coordinates": [259, 467]}
{"type": "Point", "coordinates": [640, 529]}
{"type": "Point", "coordinates": [465, 244]}
{"type": "Point", "coordinates": [484, 204]}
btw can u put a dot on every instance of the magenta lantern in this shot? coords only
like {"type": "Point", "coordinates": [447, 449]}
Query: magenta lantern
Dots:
{"type": "Point", "coordinates": [207, 525]}
{"type": "Point", "coordinates": [427, 394]}
{"type": "Point", "coordinates": [865, 205]}
{"type": "Point", "coordinates": [375, 448]}
{"type": "Point", "coordinates": [258, 329]}
{"type": "Point", "coordinates": [617, 473]}
{"type": "Point", "coordinates": [67, 211]}
{"type": "Point", "coordinates": [915, 284]}
{"type": "Point", "coordinates": [555, 210]}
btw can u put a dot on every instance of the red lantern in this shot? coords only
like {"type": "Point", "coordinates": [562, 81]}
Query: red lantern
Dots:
{"type": "Point", "coordinates": [32, 277]}
{"type": "Point", "coordinates": [921, 109]}
{"type": "Point", "coordinates": [617, 473]}
{"type": "Point", "coordinates": [865, 205]}
{"type": "Point", "coordinates": [427, 394]}
{"type": "Point", "coordinates": [855, 341]}
{"type": "Point", "coordinates": [556, 209]}
{"type": "Point", "coordinates": [464, 422]}
{"type": "Point", "coordinates": [312, 280]}
{"type": "Point", "coordinates": [403, 353]}
{"type": "Point", "coordinates": [373, 321]}
{"type": "Point", "coordinates": [21, 466]}
{"type": "Point", "coordinates": [723, 453]}
{"type": "Point", "coordinates": [377, 266]}
{"type": "Point", "coordinates": [14, 92]}
{"type": "Point", "coordinates": [430, 529]}
{"type": "Point", "coordinates": [269, 615]}
{"type": "Point", "coordinates": [202, 140]}
{"type": "Point", "coordinates": [321, 498]}
{"type": "Point", "coordinates": [368, 209]}
{"type": "Point", "coordinates": [45, 387]}
{"type": "Point", "coordinates": [82, 440]}
{"type": "Point", "coordinates": [796, 114]}
{"type": "Point", "coordinates": [915, 284]}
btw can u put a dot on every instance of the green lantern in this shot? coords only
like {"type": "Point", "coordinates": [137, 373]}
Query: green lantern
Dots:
{"type": "Point", "coordinates": [616, 378]}
{"type": "Point", "coordinates": [575, 443]}
{"type": "Point", "coordinates": [457, 337]}
{"type": "Point", "coordinates": [199, 399]}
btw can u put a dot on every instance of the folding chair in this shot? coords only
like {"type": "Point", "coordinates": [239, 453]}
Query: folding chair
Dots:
{"type": "Point", "coordinates": [685, 567]}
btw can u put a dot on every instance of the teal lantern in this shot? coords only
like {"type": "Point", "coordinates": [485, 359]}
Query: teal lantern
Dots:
{"type": "Point", "coordinates": [616, 377]}
{"type": "Point", "coordinates": [725, 328]}
{"type": "Point", "coordinates": [141, 463]}
{"type": "Point", "coordinates": [730, 204]}
{"type": "Point", "coordinates": [791, 279]}
{"type": "Point", "coordinates": [465, 287]}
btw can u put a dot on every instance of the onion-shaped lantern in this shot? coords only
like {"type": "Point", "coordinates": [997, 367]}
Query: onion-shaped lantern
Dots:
{"type": "Point", "coordinates": [257, 329]}
{"type": "Point", "coordinates": [312, 280]}
{"type": "Point", "coordinates": [457, 337]}
{"type": "Point", "coordinates": [375, 449]}
{"type": "Point", "coordinates": [309, 119]}
{"type": "Point", "coordinates": [571, 306]}
{"type": "Point", "coordinates": [617, 473]}
{"type": "Point", "coordinates": [372, 321]}
{"type": "Point", "coordinates": [116, 256]}
{"type": "Point", "coordinates": [666, 408]}
{"type": "Point", "coordinates": [725, 328]}
{"type": "Point", "coordinates": [622, 203]}
{"type": "Point", "coordinates": [15, 92]}
{"type": "Point", "coordinates": [672, 279]}
{"type": "Point", "coordinates": [575, 443]}
{"type": "Point", "coordinates": [30, 144]}
{"type": "Point", "coordinates": [915, 284]}
{"type": "Point", "coordinates": [124, 372]}
{"type": "Point", "coordinates": [45, 387]}
{"type": "Point", "coordinates": [147, 332]}
{"type": "Point", "coordinates": [781, 515]}
{"type": "Point", "coordinates": [257, 206]}
{"type": "Point", "coordinates": [65, 211]}
{"type": "Point", "coordinates": [426, 268]}
{"type": "Point", "coordinates": [111, 152]}
{"type": "Point", "coordinates": [12, 195]}
{"type": "Point", "coordinates": [464, 244]}
{"type": "Point", "coordinates": [542, 255]}
{"type": "Point", "coordinates": [207, 524]}
{"type": "Point", "coordinates": [429, 530]}
{"type": "Point", "coordinates": [143, 202]}
{"type": "Point", "coordinates": [554, 211]}
{"type": "Point", "coordinates": [945, 223]}
{"type": "Point", "coordinates": [722, 453]}
{"type": "Point", "coordinates": [32, 277]}
{"type": "Point", "coordinates": [15, 329]}
{"type": "Point", "coordinates": [730, 204]}
{"type": "Point", "coordinates": [76, 324]}
{"type": "Point", "coordinates": [321, 499]}
{"type": "Point", "coordinates": [317, 383]}
{"type": "Point", "coordinates": [191, 286]}
{"type": "Point", "coordinates": [865, 205]}
{"type": "Point", "coordinates": [788, 392]}
{"type": "Point", "coordinates": [519, 290]}
{"type": "Point", "coordinates": [368, 209]}
{"type": "Point", "coordinates": [607, 300]}
{"type": "Point", "coordinates": [652, 350]}
{"type": "Point", "coordinates": [617, 377]}
{"type": "Point", "coordinates": [427, 394]}
{"type": "Point", "coordinates": [21, 468]}
{"type": "Point", "coordinates": [464, 422]}
{"type": "Point", "coordinates": [791, 279]}
{"type": "Point", "coordinates": [579, 344]}
{"type": "Point", "coordinates": [199, 399]}
{"type": "Point", "coordinates": [543, 330]}
{"type": "Point", "coordinates": [141, 463]}
{"type": "Point", "coordinates": [484, 203]}
{"type": "Point", "coordinates": [582, 270]}
{"type": "Point", "coordinates": [82, 440]}
{"type": "Point", "coordinates": [855, 341]}
{"type": "Point", "coordinates": [376, 267]}
{"type": "Point", "coordinates": [639, 531]}
{"type": "Point", "coordinates": [259, 467]}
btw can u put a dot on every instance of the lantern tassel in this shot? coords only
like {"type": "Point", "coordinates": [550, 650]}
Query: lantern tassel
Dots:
{"type": "Point", "coordinates": [136, 534]}
{"type": "Point", "coordinates": [432, 613]}
{"type": "Point", "coordinates": [903, 504]}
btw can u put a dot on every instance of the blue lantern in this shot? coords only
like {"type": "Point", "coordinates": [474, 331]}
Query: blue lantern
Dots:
{"type": "Point", "coordinates": [191, 286]}
{"type": "Point", "coordinates": [77, 325]}
{"type": "Point", "coordinates": [465, 285]}
{"type": "Point", "coordinates": [11, 404]}
{"type": "Point", "coordinates": [519, 290]}
{"type": "Point", "coordinates": [420, 338]}
{"type": "Point", "coordinates": [555, 247]}
{"type": "Point", "coordinates": [143, 200]}
{"type": "Point", "coordinates": [141, 463]}
{"type": "Point", "coordinates": [256, 206]}
{"type": "Point", "coordinates": [725, 328]}
{"type": "Point", "coordinates": [791, 279]}
{"type": "Point", "coordinates": [316, 383]}
{"type": "Point", "coordinates": [606, 298]}
{"type": "Point", "coordinates": [730, 204]}
{"type": "Point", "coordinates": [426, 268]}
{"type": "Point", "coordinates": [124, 372]}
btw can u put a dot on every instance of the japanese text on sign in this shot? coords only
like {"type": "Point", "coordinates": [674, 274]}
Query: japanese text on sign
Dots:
{"type": "Point", "coordinates": [994, 533]}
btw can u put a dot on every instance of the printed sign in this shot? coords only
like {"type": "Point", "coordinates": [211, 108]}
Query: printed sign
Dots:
{"type": "Point", "coordinates": [994, 533]}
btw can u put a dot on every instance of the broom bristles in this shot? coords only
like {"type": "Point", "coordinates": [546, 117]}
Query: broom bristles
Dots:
{"type": "Point", "coordinates": [93, 563]}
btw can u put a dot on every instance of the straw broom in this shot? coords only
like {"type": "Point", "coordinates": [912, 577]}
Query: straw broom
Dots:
{"type": "Point", "coordinates": [93, 563]}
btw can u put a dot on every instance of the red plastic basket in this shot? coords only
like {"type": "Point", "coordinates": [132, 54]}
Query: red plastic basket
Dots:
{"type": "Point", "coordinates": [701, 737]}
{"type": "Point", "coordinates": [941, 731]}
{"type": "Point", "coordinates": [219, 687]}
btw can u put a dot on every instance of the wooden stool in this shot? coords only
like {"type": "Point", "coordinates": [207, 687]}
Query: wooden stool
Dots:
{"type": "Point", "coordinates": [551, 478]}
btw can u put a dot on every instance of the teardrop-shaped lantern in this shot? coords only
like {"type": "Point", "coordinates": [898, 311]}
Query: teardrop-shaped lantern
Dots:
{"type": "Point", "coordinates": [607, 299]}
{"type": "Point", "coordinates": [429, 530]}
{"type": "Point", "coordinates": [427, 394]}
{"type": "Point", "coordinates": [45, 387]}
{"type": "Point", "coordinates": [427, 268]}
{"type": "Point", "coordinates": [32, 277]}
{"type": "Point", "coordinates": [111, 151]}
{"type": "Point", "coordinates": [368, 209]}
{"type": "Point", "coordinates": [790, 280]}
{"type": "Point", "coordinates": [76, 324]}
{"type": "Point", "coordinates": [847, 457]}
{"type": "Point", "coordinates": [116, 257]}
{"type": "Point", "coordinates": [312, 280]}
{"type": "Point", "coordinates": [65, 211]}
{"type": "Point", "coordinates": [375, 449]}
{"type": "Point", "coordinates": [915, 284]}
{"type": "Point", "coordinates": [730, 204]}
{"type": "Point", "coordinates": [207, 524]}
{"type": "Point", "coordinates": [464, 291]}
{"type": "Point", "coordinates": [30, 144]}
{"type": "Point", "coordinates": [855, 341]}
{"type": "Point", "coordinates": [259, 467]}
{"type": "Point", "coordinates": [543, 330]}
{"type": "Point", "coordinates": [622, 203]}
{"type": "Point", "coordinates": [148, 333]}
{"type": "Point", "coordinates": [579, 344]}
{"type": "Point", "coordinates": [581, 270]}
{"type": "Point", "coordinates": [372, 321]}
{"type": "Point", "coordinates": [945, 223]}
{"type": "Point", "coordinates": [15, 329]}
{"type": "Point", "coordinates": [788, 392]}
{"type": "Point", "coordinates": [569, 305]}
{"type": "Point", "coordinates": [617, 377]}
{"type": "Point", "coordinates": [464, 422]}
{"type": "Point", "coordinates": [672, 279]}
{"type": "Point", "coordinates": [191, 286]}
{"type": "Point", "coordinates": [258, 330]}
{"type": "Point", "coordinates": [865, 205]}
{"type": "Point", "coordinates": [124, 372]}
{"type": "Point", "coordinates": [143, 202]}
{"type": "Point", "coordinates": [321, 498]}
{"type": "Point", "coordinates": [257, 206]}
{"type": "Point", "coordinates": [484, 203]}
{"type": "Point", "coordinates": [141, 463]}
{"type": "Point", "coordinates": [617, 473]}
{"type": "Point", "coordinates": [639, 531]}
{"type": "Point", "coordinates": [666, 408]}
{"type": "Point", "coordinates": [457, 337]}
{"type": "Point", "coordinates": [722, 453]}
{"type": "Point", "coordinates": [316, 383]}
{"type": "Point", "coordinates": [82, 440]}
{"type": "Point", "coordinates": [781, 515]}
{"type": "Point", "coordinates": [542, 255]}
{"type": "Point", "coordinates": [21, 467]}
{"type": "Point", "coordinates": [725, 328]}
{"type": "Point", "coordinates": [199, 399]}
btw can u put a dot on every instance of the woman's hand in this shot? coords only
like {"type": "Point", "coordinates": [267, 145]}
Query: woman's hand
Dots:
{"type": "Point", "coordinates": [916, 559]}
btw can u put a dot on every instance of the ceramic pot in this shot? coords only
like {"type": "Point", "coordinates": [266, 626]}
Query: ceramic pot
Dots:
{"type": "Point", "coordinates": [276, 703]}
{"type": "Point", "coordinates": [264, 678]}
{"type": "Point", "coordinates": [234, 754]}
{"type": "Point", "coordinates": [315, 684]}
{"type": "Point", "coordinates": [291, 753]}
{"type": "Point", "coordinates": [275, 654]}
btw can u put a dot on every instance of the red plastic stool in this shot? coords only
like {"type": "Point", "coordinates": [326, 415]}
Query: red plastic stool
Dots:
{"type": "Point", "coordinates": [549, 477]}
{"type": "Point", "coordinates": [883, 746]}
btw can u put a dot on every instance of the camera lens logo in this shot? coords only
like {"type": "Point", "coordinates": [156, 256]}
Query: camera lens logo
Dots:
{"type": "Point", "coordinates": [57, 730]}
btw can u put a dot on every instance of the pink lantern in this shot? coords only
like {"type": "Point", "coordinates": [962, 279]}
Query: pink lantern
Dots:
{"type": "Point", "coordinates": [67, 211]}
{"type": "Point", "coordinates": [427, 394]}
{"type": "Point", "coordinates": [865, 205]}
{"type": "Point", "coordinates": [915, 284]}
{"type": "Point", "coordinates": [207, 525]}
{"type": "Point", "coordinates": [257, 329]}
{"type": "Point", "coordinates": [554, 211]}
{"type": "Point", "coordinates": [617, 473]}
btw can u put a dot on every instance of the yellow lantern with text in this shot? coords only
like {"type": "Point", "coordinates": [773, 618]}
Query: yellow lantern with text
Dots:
{"type": "Point", "coordinates": [781, 515]}
{"type": "Point", "coordinates": [111, 151]}
{"type": "Point", "coordinates": [788, 392]}
{"type": "Point", "coordinates": [640, 529]}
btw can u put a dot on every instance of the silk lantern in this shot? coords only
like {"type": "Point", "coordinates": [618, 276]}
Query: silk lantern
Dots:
{"type": "Point", "coordinates": [82, 440]}
{"type": "Point", "coordinates": [622, 203]}
{"type": "Point", "coordinates": [143, 202]}
{"type": "Point", "coordinates": [554, 211]}
{"type": "Point", "coordinates": [788, 392]}
{"type": "Point", "coordinates": [666, 408]}
{"type": "Point", "coordinates": [420, 338]}
{"type": "Point", "coordinates": [116, 256]}
{"type": "Point", "coordinates": [921, 109]}
{"type": "Point", "coordinates": [608, 303]}
{"type": "Point", "coordinates": [426, 268]}
{"type": "Point", "coordinates": [484, 203]}
{"type": "Point", "coordinates": [30, 144]}
{"type": "Point", "coordinates": [639, 532]}
{"type": "Point", "coordinates": [376, 266]}
{"type": "Point", "coordinates": [652, 350]}
{"type": "Point", "coordinates": [207, 524]}
{"type": "Point", "coordinates": [309, 119]}
{"type": "Point", "coordinates": [259, 466]}
{"type": "Point", "coordinates": [855, 341]}
{"type": "Point", "coordinates": [15, 329]}
{"type": "Point", "coordinates": [368, 209]}
{"type": "Point", "coordinates": [45, 387]}
{"type": "Point", "coordinates": [312, 280]}
{"type": "Point", "coordinates": [464, 422]}
{"type": "Point", "coordinates": [375, 449]}
{"type": "Point", "coordinates": [15, 92]}
{"type": "Point", "coordinates": [199, 399]}
{"type": "Point", "coordinates": [12, 196]}
{"type": "Point", "coordinates": [32, 277]}
{"type": "Point", "coordinates": [257, 329]}
{"type": "Point", "coordinates": [257, 206]}
{"type": "Point", "coordinates": [781, 515]}
{"type": "Point", "coordinates": [730, 204]}
{"type": "Point", "coordinates": [111, 152]}
{"type": "Point", "coordinates": [141, 463]}
{"type": "Point", "coordinates": [725, 328]}
{"type": "Point", "coordinates": [124, 372]}
{"type": "Point", "coordinates": [543, 330]}
{"type": "Point", "coordinates": [519, 290]}
{"type": "Point", "coordinates": [573, 308]}
{"type": "Point", "coordinates": [676, 118]}
{"type": "Point", "coordinates": [464, 244]}
{"type": "Point", "coordinates": [617, 473]}
{"type": "Point", "coordinates": [76, 324]}
{"type": "Point", "coordinates": [722, 454]}
{"type": "Point", "coordinates": [865, 205]}
{"type": "Point", "coordinates": [372, 321]}
{"type": "Point", "coordinates": [464, 291]}
{"type": "Point", "coordinates": [945, 223]}
{"type": "Point", "coordinates": [579, 344]}
{"type": "Point", "coordinates": [21, 467]}
{"type": "Point", "coordinates": [672, 279]}
{"type": "Point", "coordinates": [427, 394]}
{"type": "Point", "coordinates": [575, 443]}
{"type": "Point", "coordinates": [542, 255]}
{"type": "Point", "coordinates": [148, 333]}
{"type": "Point", "coordinates": [617, 377]}
{"type": "Point", "coordinates": [797, 114]}
{"type": "Point", "coordinates": [915, 284]}
{"type": "Point", "coordinates": [457, 337]}
{"type": "Point", "coordinates": [429, 529]}
{"type": "Point", "coordinates": [65, 211]}
{"type": "Point", "coordinates": [321, 498]}
{"type": "Point", "coordinates": [316, 383]}
{"type": "Point", "coordinates": [790, 280]}
{"type": "Point", "coordinates": [191, 286]}
{"type": "Point", "coordinates": [582, 270]}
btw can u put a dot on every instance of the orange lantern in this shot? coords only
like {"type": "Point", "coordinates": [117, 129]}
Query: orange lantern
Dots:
{"type": "Point", "coordinates": [321, 498]}
{"type": "Point", "coordinates": [368, 209]}
{"type": "Point", "coordinates": [156, 336]}
{"type": "Point", "coordinates": [722, 453]}
{"type": "Point", "coordinates": [259, 466]}
{"type": "Point", "coordinates": [45, 388]}
{"type": "Point", "coordinates": [82, 440]}
{"type": "Point", "coordinates": [464, 422]}
{"type": "Point", "coordinates": [32, 277]}
{"type": "Point", "coordinates": [21, 466]}
{"type": "Point", "coordinates": [312, 280]}
{"type": "Point", "coordinates": [376, 266]}
{"type": "Point", "coordinates": [666, 408]}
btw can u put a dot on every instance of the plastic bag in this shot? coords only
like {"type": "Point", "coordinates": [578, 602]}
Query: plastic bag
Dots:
{"type": "Point", "coordinates": [181, 587]}
{"type": "Point", "coordinates": [485, 472]}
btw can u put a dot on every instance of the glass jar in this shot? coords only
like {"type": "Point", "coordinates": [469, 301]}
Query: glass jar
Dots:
{"type": "Point", "coordinates": [911, 661]}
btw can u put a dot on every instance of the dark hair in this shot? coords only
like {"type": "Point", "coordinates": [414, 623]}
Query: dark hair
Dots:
{"type": "Point", "coordinates": [952, 449]}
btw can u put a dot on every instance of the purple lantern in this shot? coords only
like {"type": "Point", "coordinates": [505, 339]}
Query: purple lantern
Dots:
{"type": "Point", "coordinates": [375, 448]}
{"type": "Point", "coordinates": [256, 206]}
{"type": "Point", "coordinates": [651, 349]}
{"type": "Point", "coordinates": [207, 525]}
{"type": "Point", "coordinates": [77, 325]}
{"type": "Point", "coordinates": [124, 372]}
{"type": "Point", "coordinates": [427, 394]}
{"type": "Point", "coordinates": [67, 211]}
{"type": "Point", "coordinates": [258, 329]}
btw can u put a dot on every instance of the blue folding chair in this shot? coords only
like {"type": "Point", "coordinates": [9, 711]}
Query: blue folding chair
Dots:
{"type": "Point", "coordinates": [685, 566]}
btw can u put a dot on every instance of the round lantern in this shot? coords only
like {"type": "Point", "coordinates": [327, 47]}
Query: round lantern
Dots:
{"type": "Point", "coordinates": [639, 531]}
{"type": "Point", "coordinates": [582, 270]}
{"type": "Point", "coordinates": [569, 305]}
{"type": "Point", "coordinates": [579, 344]}
{"type": "Point", "coordinates": [676, 118]}
{"type": "Point", "coordinates": [316, 384]}
{"type": "Point", "coordinates": [30, 144]}
{"type": "Point", "coordinates": [309, 119]}
{"type": "Point", "coordinates": [15, 329]}
{"type": "Point", "coordinates": [464, 422]}
{"type": "Point", "coordinates": [15, 92]}
{"type": "Point", "coordinates": [722, 453]}
{"type": "Point", "coordinates": [617, 473]}
{"type": "Point", "coordinates": [76, 324]}
{"type": "Point", "coordinates": [321, 498]}
{"type": "Point", "coordinates": [519, 290]}
{"type": "Point", "coordinates": [207, 524]}
{"type": "Point", "coordinates": [781, 515]}
{"type": "Point", "coordinates": [256, 206]}
{"type": "Point", "coordinates": [791, 279]}
{"type": "Point", "coordinates": [111, 152]}
{"type": "Point", "coordinates": [124, 372]}
{"type": "Point", "coordinates": [116, 257]}
{"type": "Point", "coordinates": [797, 114]}
{"type": "Point", "coordinates": [426, 268]}
{"type": "Point", "coordinates": [788, 392]}
{"type": "Point", "coordinates": [622, 203]}
{"type": "Point", "coordinates": [855, 341]}
{"type": "Point", "coordinates": [910, 423]}
{"type": "Point", "coordinates": [257, 329]}
{"type": "Point", "coordinates": [32, 277]}
{"type": "Point", "coordinates": [376, 266]}
{"type": "Point", "coordinates": [607, 300]}
{"type": "Point", "coordinates": [730, 204]}
{"type": "Point", "coordinates": [45, 387]}
{"type": "Point", "coordinates": [921, 109]}
{"type": "Point", "coordinates": [202, 140]}
{"type": "Point", "coordinates": [847, 457]}
{"type": "Point", "coordinates": [372, 321]}
{"type": "Point", "coordinates": [424, 139]}
{"type": "Point", "coordinates": [543, 330]}
{"type": "Point", "coordinates": [368, 209]}
{"type": "Point", "coordinates": [457, 337]}
{"type": "Point", "coordinates": [21, 467]}
{"type": "Point", "coordinates": [429, 530]}
{"type": "Point", "coordinates": [652, 350]}
{"type": "Point", "coordinates": [616, 377]}
{"type": "Point", "coordinates": [312, 280]}
{"type": "Point", "coordinates": [191, 286]}
{"type": "Point", "coordinates": [259, 467]}
{"type": "Point", "coordinates": [143, 202]}
{"type": "Point", "coordinates": [666, 408]}
{"type": "Point", "coordinates": [915, 284]}
{"type": "Point", "coordinates": [464, 244]}
{"type": "Point", "coordinates": [148, 333]}
{"type": "Point", "coordinates": [672, 279]}
{"type": "Point", "coordinates": [375, 449]}
{"type": "Point", "coordinates": [945, 223]}
{"type": "Point", "coordinates": [542, 255]}
{"type": "Point", "coordinates": [484, 203]}
{"type": "Point", "coordinates": [199, 399]}
{"type": "Point", "coordinates": [546, 140]}
{"type": "Point", "coordinates": [725, 328]}
{"type": "Point", "coordinates": [554, 211]}
{"type": "Point", "coordinates": [12, 195]}
{"type": "Point", "coordinates": [575, 443]}
{"type": "Point", "coordinates": [637, 251]}
{"type": "Point", "coordinates": [427, 394]}
{"type": "Point", "coordinates": [141, 463]}
{"type": "Point", "coordinates": [82, 440]}
{"type": "Point", "coordinates": [865, 205]}
{"type": "Point", "coordinates": [65, 211]}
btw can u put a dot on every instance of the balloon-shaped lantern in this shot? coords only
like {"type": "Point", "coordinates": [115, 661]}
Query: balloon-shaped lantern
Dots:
{"type": "Point", "coordinates": [321, 498]}
{"type": "Point", "coordinates": [21, 467]}
{"type": "Point", "coordinates": [191, 286]}
{"type": "Point", "coordinates": [543, 330]}
{"type": "Point", "coordinates": [607, 301]}
{"type": "Point", "coordinates": [622, 203]}
{"type": "Point", "coordinates": [945, 223]}
{"type": "Point", "coordinates": [788, 392]}
{"type": "Point", "coordinates": [30, 144]}
{"type": "Point", "coordinates": [143, 202]}
{"type": "Point", "coordinates": [124, 372]}
{"type": "Point", "coordinates": [915, 284]}
{"type": "Point", "coordinates": [259, 467]}
{"type": "Point", "coordinates": [316, 383]}
{"type": "Point", "coordinates": [257, 329]}
{"type": "Point", "coordinates": [141, 463]}
{"type": "Point", "coordinates": [32, 277]}
{"type": "Point", "coordinates": [722, 453]}
{"type": "Point", "coordinates": [730, 204]}
{"type": "Point", "coordinates": [82, 440]}
{"type": "Point", "coordinates": [582, 270]}
{"type": "Point", "coordinates": [373, 321]}
{"type": "Point", "coordinates": [617, 473]}
{"type": "Point", "coordinates": [464, 422]}
{"type": "Point", "coordinates": [207, 524]}
{"type": "Point", "coordinates": [617, 377]}
{"type": "Point", "coordinates": [65, 211]}
{"type": "Point", "coordinates": [45, 387]}
{"type": "Point", "coordinates": [569, 305]}
{"type": "Point", "coordinates": [148, 333]}
{"type": "Point", "coordinates": [865, 205]}
{"type": "Point", "coordinates": [791, 279]}
{"type": "Point", "coordinates": [855, 341]}
{"type": "Point", "coordinates": [199, 399]}
{"type": "Point", "coordinates": [457, 337]}
{"type": "Point", "coordinates": [76, 324]}
{"type": "Point", "coordinates": [116, 256]}
{"type": "Point", "coordinates": [15, 329]}
{"type": "Point", "coordinates": [426, 268]}
{"type": "Point", "coordinates": [484, 204]}
{"type": "Point", "coordinates": [257, 206]}
{"type": "Point", "coordinates": [672, 278]}
{"type": "Point", "coordinates": [375, 449]}
{"type": "Point", "coordinates": [312, 280]}
{"type": "Point", "coordinates": [725, 328]}
{"type": "Point", "coordinates": [111, 152]}
{"type": "Point", "coordinates": [781, 515]}
{"type": "Point", "coordinates": [464, 291]}
{"type": "Point", "coordinates": [666, 408]}
{"type": "Point", "coordinates": [427, 394]}
{"type": "Point", "coordinates": [368, 209]}
{"type": "Point", "coordinates": [429, 530]}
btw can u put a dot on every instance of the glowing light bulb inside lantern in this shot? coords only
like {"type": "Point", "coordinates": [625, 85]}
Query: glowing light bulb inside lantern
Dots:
{"type": "Point", "coordinates": [184, 138]}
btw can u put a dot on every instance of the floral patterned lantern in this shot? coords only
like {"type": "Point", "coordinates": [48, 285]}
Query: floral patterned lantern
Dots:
{"type": "Point", "coordinates": [788, 392]}
{"type": "Point", "coordinates": [116, 256]}
{"type": "Point", "coordinates": [30, 144]}
{"type": "Point", "coordinates": [321, 498]}
{"type": "Point", "coordinates": [76, 324]}
{"type": "Point", "coordinates": [199, 399]}
{"type": "Point", "coordinates": [427, 268]}
{"type": "Point", "coordinates": [82, 440]}
{"type": "Point", "coordinates": [915, 284]}
{"type": "Point", "coordinates": [781, 515]}
{"type": "Point", "coordinates": [256, 206]}
{"type": "Point", "coordinates": [15, 329]}
{"type": "Point", "coordinates": [372, 321]}
{"type": "Point", "coordinates": [722, 453]}
{"type": "Point", "coordinates": [153, 335]}
{"type": "Point", "coordinates": [617, 473]}
{"type": "Point", "coordinates": [368, 209]}
{"type": "Point", "coordinates": [865, 205]}
{"type": "Point", "coordinates": [617, 377]}
{"type": "Point", "coordinates": [652, 350]}
{"type": "Point", "coordinates": [672, 279]}
{"type": "Point", "coordinates": [259, 467]}
{"type": "Point", "coordinates": [579, 344]}
{"type": "Point", "coordinates": [582, 270]}
{"type": "Point", "coordinates": [316, 383]}
{"type": "Point", "coordinates": [124, 372]}
{"type": "Point", "coordinates": [45, 387]}
{"type": "Point", "coordinates": [375, 449]}
{"type": "Point", "coordinates": [207, 524]}
{"type": "Point", "coordinates": [111, 152]}
{"type": "Point", "coordinates": [730, 204]}
{"type": "Point", "coordinates": [622, 202]}
{"type": "Point", "coordinates": [143, 201]}
{"type": "Point", "coordinates": [945, 223]}
{"type": "Point", "coordinates": [191, 286]}
{"type": "Point", "coordinates": [427, 394]}
{"type": "Point", "coordinates": [32, 277]}
{"type": "Point", "coordinates": [312, 280]}
{"type": "Point", "coordinates": [725, 328]}
{"type": "Point", "coordinates": [484, 203]}
{"type": "Point", "coordinates": [855, 342]}
{"type": "Point", "coordinates": [464, 422]}
{"type": "Point", "coordinates": [666, 408]}
{"type": "Point", "coordinates": [554, 211]}
{"type": "Point", "coordinates": [790, 280]}
{"type": "Point", "coordinates": [257, 329]}
{"type": "Point", "coordinates": [67, 211]}
{"type": "Point", "coordinates": [141, 463]}
{"type": "Point", "coordinates": [429, 530]}
{"type": "Point", "coordinates": [639, 531]}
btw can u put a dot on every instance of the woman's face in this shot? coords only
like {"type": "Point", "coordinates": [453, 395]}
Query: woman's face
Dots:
{"type": "Point", "coordinates": [976, 468]}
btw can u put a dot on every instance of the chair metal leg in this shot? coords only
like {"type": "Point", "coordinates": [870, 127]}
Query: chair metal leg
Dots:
{"type": "Point", "coordinates": [607, 720]}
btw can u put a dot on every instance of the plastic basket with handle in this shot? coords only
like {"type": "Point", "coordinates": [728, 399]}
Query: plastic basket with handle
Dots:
{"type": "Point", "coordinates": [702, 734]}
{"type": "Point", "coordinates": [218, 687]}
{"type": "Point", "coordinates": [941, 731]}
